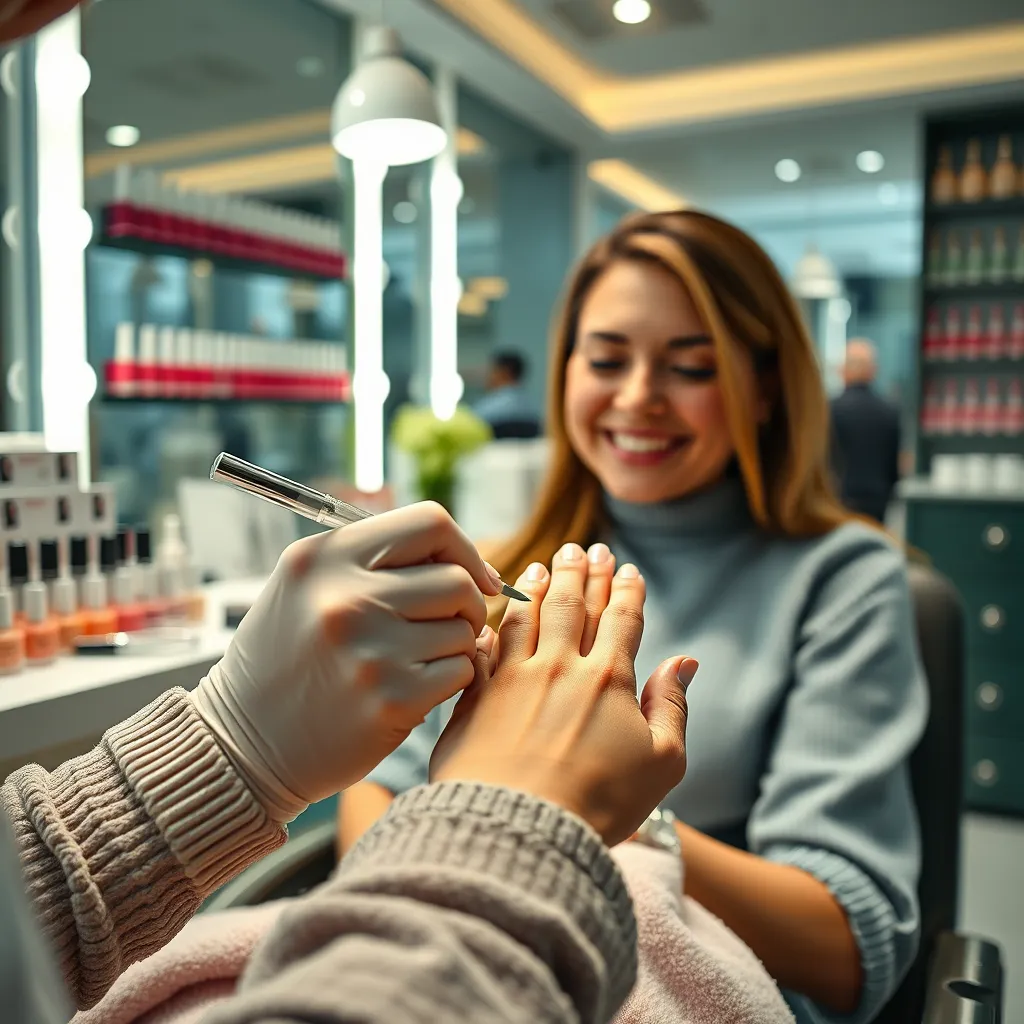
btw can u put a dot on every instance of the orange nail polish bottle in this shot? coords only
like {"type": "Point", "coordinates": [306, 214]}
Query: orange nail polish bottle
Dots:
{"type": "Point", "coordinates": [12, 637]}
{"type": "Point", "coordinates": [97, 615]}
{"type": "Point", "coordinates": [42, 634]}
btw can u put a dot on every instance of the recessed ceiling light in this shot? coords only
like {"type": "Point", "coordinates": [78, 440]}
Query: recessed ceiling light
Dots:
{"type": "Point", "coordinates": [787, 170]}
{"type": "Point", "coordinates": [631, 12]}
{"type": "Point", "coordinates": [888, 194]}
{"type": "Point", "coordinates": [310, 67]}
{"type": "Point", "coordinates": [122, 135]}
{"type": "Point", "coordinates": [870, 161]}
{"type": "Point", "coordinates": [405, 212]}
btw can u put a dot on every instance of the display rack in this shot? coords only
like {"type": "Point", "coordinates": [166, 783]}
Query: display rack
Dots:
{"type": "Point", "coordinates": [966, 511]}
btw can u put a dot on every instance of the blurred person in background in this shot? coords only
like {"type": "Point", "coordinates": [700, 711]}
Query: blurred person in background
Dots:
{"type": "Point", "coordinates": [507, 407]}
{"type": "Point", "coordinates": [688, 425]}
{"type": "Point", "coordinates": [865, 435]}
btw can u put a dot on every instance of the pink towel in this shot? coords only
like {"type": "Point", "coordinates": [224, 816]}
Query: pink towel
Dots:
{"type": "Point", "coordinates": [693, 970]}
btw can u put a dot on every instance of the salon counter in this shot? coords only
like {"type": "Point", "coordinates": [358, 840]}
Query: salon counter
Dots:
{"type": "Point", "coordinates": [77, 697]}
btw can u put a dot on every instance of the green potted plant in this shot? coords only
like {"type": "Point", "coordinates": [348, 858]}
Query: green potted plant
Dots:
{"type": "Point", "coordinates": [436, 446]}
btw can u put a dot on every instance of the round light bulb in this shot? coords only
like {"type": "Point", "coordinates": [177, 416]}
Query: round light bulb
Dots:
{"type": "Point", "coordinates": [870, 161]}
{"type": "Point", "coordinates": [787, 170]}
{"type": "Point", "coordinates": [405, 212]}
{"type": "Point", "coordinates": [631, 12]}
{"type": "Point", "coordinates": [123, 135]}
{"type": "Point", "coordinates": [888, 194]}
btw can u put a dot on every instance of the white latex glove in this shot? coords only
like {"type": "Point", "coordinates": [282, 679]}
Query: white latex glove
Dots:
{"type": "Point", "coordinates": [357, 635]}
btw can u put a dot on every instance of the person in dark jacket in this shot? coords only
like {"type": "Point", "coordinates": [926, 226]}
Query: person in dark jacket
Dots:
{"type": "Point", "coordinates": [865, 436]}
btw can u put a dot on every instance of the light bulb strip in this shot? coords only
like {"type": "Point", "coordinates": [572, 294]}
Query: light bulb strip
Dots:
{"type": "Point", "coordinates": [62, 76]}
{"type": "Point", "coordinates": [446, 385]}
{"type": "Point", "coordinates": [370, 384]}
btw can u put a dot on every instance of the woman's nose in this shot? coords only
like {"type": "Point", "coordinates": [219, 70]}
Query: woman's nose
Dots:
{"type": "Point", "coordinates": [639, 390]}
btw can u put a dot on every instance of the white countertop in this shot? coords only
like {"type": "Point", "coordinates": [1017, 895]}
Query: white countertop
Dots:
{"type": "Point", "coordinates": [77, 698]}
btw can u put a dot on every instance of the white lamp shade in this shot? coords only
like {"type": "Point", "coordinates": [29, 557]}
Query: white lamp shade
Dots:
{"type": "Point", "coordinates": [386, 110]}
{"type": "Point", "coordinates": [815, 277]}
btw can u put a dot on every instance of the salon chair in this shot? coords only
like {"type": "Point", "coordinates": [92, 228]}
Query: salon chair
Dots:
{"type": "Point", "coordinates": [516, 430]}
{"type": "Point", "coordinates": [956, 979]}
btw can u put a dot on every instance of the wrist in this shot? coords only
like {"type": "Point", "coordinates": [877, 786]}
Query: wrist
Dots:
{"type": "Point", "coordinates": [231, 728]}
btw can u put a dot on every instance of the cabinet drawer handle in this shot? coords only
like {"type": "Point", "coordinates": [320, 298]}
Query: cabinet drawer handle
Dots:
{"type": "Point", "coordinates": [989, 696]}
{"type": "Point", "coordinates": [993, 618]}
{"type": "Point", "coordinates": [985, 772]}
{"type": "Point", "coordinates": [995, 537]}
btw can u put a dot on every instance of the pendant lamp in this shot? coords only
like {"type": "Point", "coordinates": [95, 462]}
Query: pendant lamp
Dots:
{"type": "Point", "coordinates": [386, 111]}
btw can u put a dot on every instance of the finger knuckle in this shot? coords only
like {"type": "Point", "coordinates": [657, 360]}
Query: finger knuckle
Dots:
{"type": "Point", "coordinates": [560, 599]}
{"type": "Point", "coordinates": [436, 515]}
{"type": "Point", "coordinates": [624, 615]}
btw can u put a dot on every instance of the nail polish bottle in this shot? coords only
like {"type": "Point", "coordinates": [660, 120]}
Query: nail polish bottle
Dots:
{"type": "Point", "coordinates": [17, 567]}
{"type": "Point", "coordinates": [42, 634]}
{"type": "Point", "coordinates": [131, 615]}
{"type": "Point", "coordinates": [79, 549]}
{"type": "Point", "coordinates": [12, 638]}
{"type": "Point", "coordinates": [65, 602]}
{"type": "Point", "coordinates": [146, 591]}
{"type": "Point", "coordinates": [97, 615]}
{"type": "Point", "coordinates": [48, 565]}
{"type": "Point", "coordinates": [194, 599]}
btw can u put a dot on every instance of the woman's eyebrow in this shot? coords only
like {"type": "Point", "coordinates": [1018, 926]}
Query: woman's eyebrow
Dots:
{"type": "Point", "coordinates": [683, 341]}
{"type": "Point", "coordinates": [690, 341]}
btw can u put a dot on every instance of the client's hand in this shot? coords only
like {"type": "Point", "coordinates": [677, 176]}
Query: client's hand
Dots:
{"type": "Point", "coordinates": [567, 726]}
{"type": "Point", "coordinates": [357, 635]}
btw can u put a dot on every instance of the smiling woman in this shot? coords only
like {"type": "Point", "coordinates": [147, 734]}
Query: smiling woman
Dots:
{"type": "Point", "coordinates": [688, 428]}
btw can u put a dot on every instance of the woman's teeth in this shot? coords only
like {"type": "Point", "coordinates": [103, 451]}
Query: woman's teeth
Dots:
{"type": "Point", "coordinates": [632, 443]}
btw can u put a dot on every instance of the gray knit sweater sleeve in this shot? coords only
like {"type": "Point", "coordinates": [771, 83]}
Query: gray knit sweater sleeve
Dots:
{"type": "Point", "coordinates": [121, 845]}
{"type": "Point", "coordinates": [463, 903]}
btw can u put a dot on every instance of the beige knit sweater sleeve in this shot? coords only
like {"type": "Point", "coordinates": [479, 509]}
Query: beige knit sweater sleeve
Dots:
{"type": "Point", "coordinates": [121, 845]}
{"type": "Point", "coordinates": [463, 903]}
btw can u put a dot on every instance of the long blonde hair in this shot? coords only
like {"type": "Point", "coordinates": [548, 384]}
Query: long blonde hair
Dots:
{"type": "Point", "coordinates": [746, 307]}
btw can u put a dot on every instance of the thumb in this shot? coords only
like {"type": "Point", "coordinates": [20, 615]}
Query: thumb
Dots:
{"type": "Point", "coordinates": [663, 704]}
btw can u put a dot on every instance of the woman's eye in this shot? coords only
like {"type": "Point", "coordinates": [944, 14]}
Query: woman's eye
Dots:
{"type": "Point", "coordinates": [605, 365]}
{"type": "Point", "coordinates": [696, 372]}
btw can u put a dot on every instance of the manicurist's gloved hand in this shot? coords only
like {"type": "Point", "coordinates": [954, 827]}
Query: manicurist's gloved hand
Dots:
{"type": "Point", "coordinates": [554, 709]}
{"type": "Point", "coordinates": [357, 635]}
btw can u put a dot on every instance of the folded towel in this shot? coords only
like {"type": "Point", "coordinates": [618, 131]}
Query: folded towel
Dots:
{"type": "Point", "coordinates": [200, 966]}
{"type": "Point", "coordinates": [693, 970]}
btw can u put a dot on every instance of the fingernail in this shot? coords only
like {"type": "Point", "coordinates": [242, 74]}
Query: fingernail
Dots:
{"type": "Point", "coordinates": [570, 552]}
{"type": "Point", "coordinates": [598, 554]}
{"type": "Point", "coordinates": [629, 572]}
{"type": "Point", "coordinates": [493, 573]}
{"type": "Point", "coordinates": [536, 572]}
{"type": "Point", "coordinates": [687, 670]}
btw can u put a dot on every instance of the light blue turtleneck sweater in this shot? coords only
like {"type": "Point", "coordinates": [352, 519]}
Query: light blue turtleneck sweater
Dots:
{"type": "Point", "coordinates": [809, 699]}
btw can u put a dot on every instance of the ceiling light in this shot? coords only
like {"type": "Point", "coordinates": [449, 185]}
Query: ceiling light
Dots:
{"type": "Point", "coordinates": [787, 170]}
{"type": "Point", "coordinates": [309, 67]}
{"type": "Point", "coordinates": [386, 110]}
{"type": "Point", "coordinates": [631, 12]}
{"type": "Point", "coordinates": [405, 212]}
{"type": "Point", "coordinates": [815, 277]}
{"type": "Point", "coordinates": [870, 161]}
{"type": "Point", "coordinates": [888, 194]}
{"type": "Point", "coordinates": [122, 135]}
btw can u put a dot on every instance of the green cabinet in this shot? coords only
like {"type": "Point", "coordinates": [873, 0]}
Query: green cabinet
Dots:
{"type": "Point", "coordinates": [979, 545]}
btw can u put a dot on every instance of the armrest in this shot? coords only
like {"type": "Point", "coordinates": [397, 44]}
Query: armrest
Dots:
{"type": "Point", "coordinates": [965, 982]}
{"type": "Point", "coordinates": [301, 864]}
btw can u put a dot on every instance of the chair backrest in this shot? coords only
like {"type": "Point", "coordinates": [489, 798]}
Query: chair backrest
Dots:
{"type": "Point", "coordinates": [936, 770]}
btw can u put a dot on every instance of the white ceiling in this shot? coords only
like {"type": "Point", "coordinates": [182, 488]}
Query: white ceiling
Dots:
{"type": "Point", "coordinates": [175, 67]}
{"type": "Point", "coordinates": [734, 30]}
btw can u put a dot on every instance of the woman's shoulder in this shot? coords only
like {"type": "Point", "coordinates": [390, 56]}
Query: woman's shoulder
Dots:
{"type": "Point", "coordinates": [852, 553]}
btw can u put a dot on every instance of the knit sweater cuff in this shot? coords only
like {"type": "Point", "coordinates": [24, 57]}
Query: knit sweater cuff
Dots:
{"type": "Point", "coordinates": [119, 846]}
{"type": "Point", "coordinates": [872, 920]}
{"type": "Point", "coordinates": [552, 857]}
